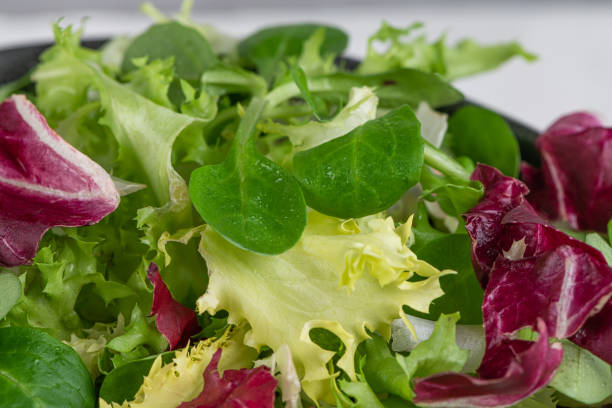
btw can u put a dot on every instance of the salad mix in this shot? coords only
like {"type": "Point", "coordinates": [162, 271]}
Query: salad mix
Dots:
{"type": "Point", "coordinates": [192, 221]}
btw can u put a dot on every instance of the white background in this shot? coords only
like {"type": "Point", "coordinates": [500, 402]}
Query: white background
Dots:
{"type": "Point", "coordinates": [573, 40]}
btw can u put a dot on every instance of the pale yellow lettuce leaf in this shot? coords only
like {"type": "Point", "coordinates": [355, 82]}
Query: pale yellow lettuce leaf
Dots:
{"type": "Point", "coordinates": [283, 297]}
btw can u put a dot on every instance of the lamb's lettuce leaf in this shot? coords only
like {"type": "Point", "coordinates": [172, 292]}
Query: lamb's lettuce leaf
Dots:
{"type": "Point", "coordinates": [39, 371]}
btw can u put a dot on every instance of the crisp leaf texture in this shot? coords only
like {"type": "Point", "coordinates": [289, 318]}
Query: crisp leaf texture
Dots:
{"type": "Point", "coordinates": [252, 388]}
{"type": "Point", "coordinates": [528, 367]}
{"type": "Point", "coordinates": [365, 171]}
{"type": "Point", "coordinates": [32, 197]}
{"type": "Point", "coordinates": [269, 291]}
{"type": "Point", "coordinates": [409, 51]}
{"type": "Point", "coordinates": [176, 322]}
{"type": "Point", "coordinates": [39, 371]}
{"type": "Point", "coordinates": [559, 279]}
{"type": "Point", "coordinates": [575, 181]}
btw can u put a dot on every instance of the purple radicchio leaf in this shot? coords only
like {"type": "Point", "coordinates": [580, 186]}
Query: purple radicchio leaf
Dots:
{"type": "Point", "coordinates": [553, 277]}
{"type": "Point", "coordinates": [563, 287]}
{"type": "Point", "coordinates": [511, 371]}
{"type": "Point", "coordinates": [44, 182]}
{"type": "Point", "coordinates": [575, 181]}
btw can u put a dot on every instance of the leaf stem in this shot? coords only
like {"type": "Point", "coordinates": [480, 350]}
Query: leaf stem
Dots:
{"type": "Point", "coordinates": [442, 162]}
{"type": "Point", "coordinates": [248, 123]}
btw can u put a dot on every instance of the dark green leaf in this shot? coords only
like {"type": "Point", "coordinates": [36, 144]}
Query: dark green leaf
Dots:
{"type": "Point", "coordinates": [268, 48]}
{"type": "Point", "coordinates": [455, 197]}
{"type": "Point", "coordinates": [381, 369]}
{"type": "Point", "coordinates": [364, 171]}
{"type": "Point", "coordinates": [461, 291]}
{"type": "Point", "coordinates": [248, 199]}
{"type": "Point", "coordinates": [610, 231]}
{"type": "Point", "coordinates": [123, 382]}
{"type": "Point", "coordinates": [191, 52]}
{"type": "Point", "coordinates": [10, 292]}
{"type": "Point", "coordinates": [423, 231]}
{"type": "Point", "coordinates": [40, 372]}
{"type": "Point", "coordinates": [485, 137]}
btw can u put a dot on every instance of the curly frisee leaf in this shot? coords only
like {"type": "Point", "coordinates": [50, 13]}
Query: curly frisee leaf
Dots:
{"type": "Point", "coordinates": [283, 297]}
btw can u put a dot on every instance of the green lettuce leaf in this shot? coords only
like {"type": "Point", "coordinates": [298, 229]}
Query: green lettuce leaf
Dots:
{"type": "Point", "coordinates": [408, 50]}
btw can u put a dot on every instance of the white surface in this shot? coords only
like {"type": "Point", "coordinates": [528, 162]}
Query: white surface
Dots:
{"type": "Point", "coordinates": [573, 42]}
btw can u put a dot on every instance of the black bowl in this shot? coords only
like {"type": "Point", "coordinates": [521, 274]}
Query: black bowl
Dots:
{"type": "Point", "coordinates": [16, 62]}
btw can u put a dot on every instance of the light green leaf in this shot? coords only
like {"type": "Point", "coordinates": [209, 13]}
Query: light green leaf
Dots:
{"type": "Point", "coordinates": [582, 376]}
{"type": "Point", "coordinates": [10, 292]}
{"type": "Point", "coordinates": [438, 353]}
{"type": "Point", "coordinates": [596, 241]}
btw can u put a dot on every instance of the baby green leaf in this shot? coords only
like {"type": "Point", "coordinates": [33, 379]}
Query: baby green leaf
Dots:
{"type": "Point", "coordinates": [38, 371]}
{"type": "Point", "coordinates": [267, 48]}
{"type": "Point", "coordinates": [10, 292]}
{"type": "Point", "coordinates": [485, 137]}
{"type": "Point", "coordinates": [191, 51]}
{"type": "Point", "coordinates": [248, 199]}
{"type": "Point", "coordinates": [300, 80]}
{"type": "Point", "coordinates": [366, 170]}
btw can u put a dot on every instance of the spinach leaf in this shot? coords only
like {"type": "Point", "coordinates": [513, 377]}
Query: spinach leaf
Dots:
{"type": "Point", "coordinates": [268, 48]}
{"type": "Point", "coordinates": [485, 137]}
{"type": "Point", "coordinates": [394, 88]}
{"type": "Point", "coordinates": [10, 292]}
{"type": "Point", "coordinates": [365, 171]}
{"type": "Point", "coordinates": [461, 291]}
{"type": "Point", "coordinates": [191, 51]}
{"type": "Point", "coordinates": [38, 371]}
{"type": "Point", "coordinates": [455, 197]}
{"type": "Point", "coordinates": [123, 382]}
{"type": "Point", "coordinates": [248, 199]}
